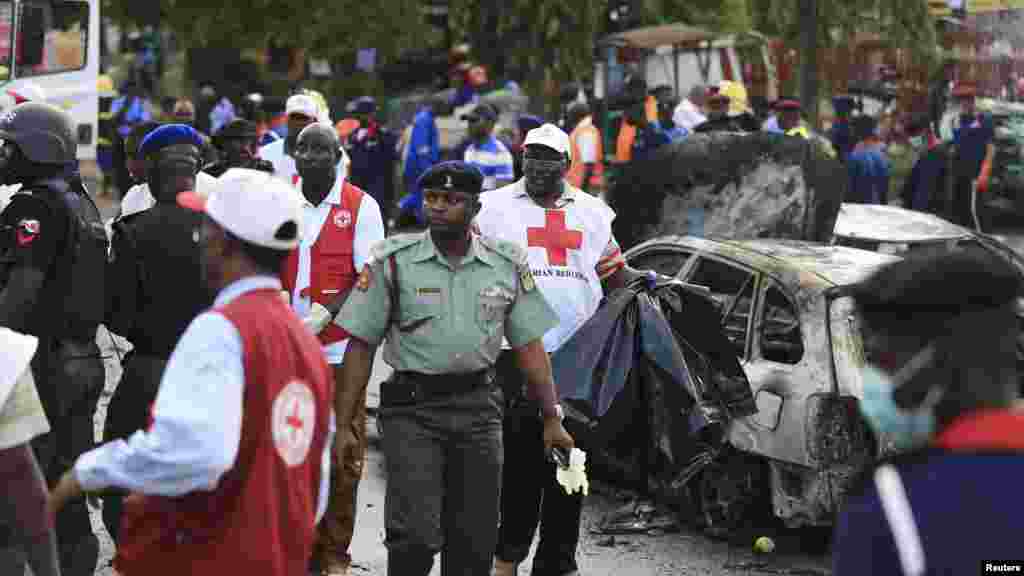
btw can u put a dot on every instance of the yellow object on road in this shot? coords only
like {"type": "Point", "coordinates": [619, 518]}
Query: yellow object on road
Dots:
{"type": "Point", "coordinates": [764, 545]}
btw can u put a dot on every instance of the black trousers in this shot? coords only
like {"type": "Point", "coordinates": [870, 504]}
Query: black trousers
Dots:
{"type": "Point", "coordinates": [530, 495]}
{"type": "Point", "coordinates": [127, 413]}
{"type": "Point", "coordinates": [69, 378]}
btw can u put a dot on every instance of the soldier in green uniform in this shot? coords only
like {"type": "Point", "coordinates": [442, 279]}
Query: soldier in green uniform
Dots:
{"type": "Point", "coordinates": [443, 299]}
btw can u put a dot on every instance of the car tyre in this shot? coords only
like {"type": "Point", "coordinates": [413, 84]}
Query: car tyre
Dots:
{"type": "Point", "coordinates": [732, 493]}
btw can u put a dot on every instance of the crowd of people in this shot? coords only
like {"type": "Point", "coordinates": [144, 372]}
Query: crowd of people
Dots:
{"type": "Point", "coordinates": [255, 277]}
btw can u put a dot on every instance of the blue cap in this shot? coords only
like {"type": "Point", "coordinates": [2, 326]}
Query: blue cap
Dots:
{"type": "Point", "coordinates": [843, 103]}
{"type": "Point", "coordinates": [169, 135]}
{"type": "Point", "coordinates": [453, 175]}
{"type": "Point", "coordinates": [528, 122]}
{"type": "Point", "coordinates": [364, 105]}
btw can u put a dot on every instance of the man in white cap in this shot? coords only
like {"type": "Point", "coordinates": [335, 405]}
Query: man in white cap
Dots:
{"type": "Point", "coordinates": [24, 513]}
{"type": "Point", "coordinates": [243, 421]}
{"type": "Point", "coordinates": [302, 110]}
{"type": "Point", "coordinates": [567, 235]}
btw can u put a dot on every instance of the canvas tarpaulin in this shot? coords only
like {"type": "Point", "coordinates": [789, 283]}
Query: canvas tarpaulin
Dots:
{"type": "Point", "coordinates": [649, 371]}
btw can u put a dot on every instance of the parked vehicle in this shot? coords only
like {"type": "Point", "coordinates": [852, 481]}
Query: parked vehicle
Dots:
{"type": "Point", "coordinates": [796, 333]}
{"type": "Point", "coordinates": [55, 44]}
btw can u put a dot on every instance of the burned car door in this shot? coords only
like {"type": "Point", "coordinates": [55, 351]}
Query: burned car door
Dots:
{"type": "Point", "coordinates": [789, 361]}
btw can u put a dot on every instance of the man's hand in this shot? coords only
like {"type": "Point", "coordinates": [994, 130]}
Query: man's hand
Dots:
{"type": "Point", "coordinates": [66, 490]}
{"type": "Point", "coordinates": [317, 319]}
{"type": "Point", "coordinates": [556, 436]}
{"type": "Point", "coordinates": [286, 297]}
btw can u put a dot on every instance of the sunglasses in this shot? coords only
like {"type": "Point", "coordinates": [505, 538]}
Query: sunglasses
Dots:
{"type": "Point", "coordinates": [543, 165]}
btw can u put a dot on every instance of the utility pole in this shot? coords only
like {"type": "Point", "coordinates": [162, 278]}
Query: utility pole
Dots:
{"type": "Point", "coordinates": [809, 59]}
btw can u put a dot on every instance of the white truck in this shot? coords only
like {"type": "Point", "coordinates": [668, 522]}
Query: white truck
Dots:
{"type": "Point", "coordinates": [55, 44]}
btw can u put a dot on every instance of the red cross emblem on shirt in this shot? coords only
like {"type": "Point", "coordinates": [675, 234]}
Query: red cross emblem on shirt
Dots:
{"type": "Point", "coordinates": [295, 179]}
{"type": "Point", "coordinates": [554, 238]}
{"type": "Point", "coordinates": [294, 420]}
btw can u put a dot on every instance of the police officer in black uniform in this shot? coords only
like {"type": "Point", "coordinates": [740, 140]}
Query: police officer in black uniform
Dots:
{"type": "Point", "coordinates": [155, 284]}
{"type": "Point", "coordinates": [237, 144]}
{"type": "Point", "coordinates": [52, 251]}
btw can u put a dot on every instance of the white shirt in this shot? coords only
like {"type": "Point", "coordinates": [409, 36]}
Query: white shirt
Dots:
{"type": "Point", "coordinates": [688, 115]}
{"type": "Point", "coordinates": [284, 164]}
{"type": "Point", "coordinates": [197, 424]}
{"type": "Point", "coordinates": [586, 143]}
{"type": "Point", "coordinates": [369, 230]}
{"type": "Point", "coordinates": [139, 198]}
{"type": "Point", "coordinates": [7, 191]}
{"type": "Point", "coordinates": [566, 272]}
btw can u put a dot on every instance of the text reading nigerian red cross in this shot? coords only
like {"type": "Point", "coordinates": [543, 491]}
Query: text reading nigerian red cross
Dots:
{"type": "Point", "coordinates": [555, 238]}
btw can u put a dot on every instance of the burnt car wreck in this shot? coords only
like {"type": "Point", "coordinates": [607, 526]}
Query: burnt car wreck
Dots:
{"type": "Point", "coordinates": [730, 391]}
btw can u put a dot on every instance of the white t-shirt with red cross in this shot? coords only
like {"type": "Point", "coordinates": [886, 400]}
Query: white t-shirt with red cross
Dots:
{"type": "Point", "coordinates": [570, 249]}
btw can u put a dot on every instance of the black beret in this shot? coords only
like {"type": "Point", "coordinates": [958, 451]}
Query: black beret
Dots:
{"type": "Point", "coordinates": [937, 286]}
{"type": "Point", "coordinates": [454, 175]}
{"type": "Point", "coordinates": [237, 128]}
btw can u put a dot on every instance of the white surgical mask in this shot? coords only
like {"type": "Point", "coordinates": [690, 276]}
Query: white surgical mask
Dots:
{"type": "Point", "coordinates": [917, 142]}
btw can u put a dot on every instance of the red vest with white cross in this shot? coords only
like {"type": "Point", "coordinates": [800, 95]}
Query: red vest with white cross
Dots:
{"type": "Point", "coordinates": [260, 517]}
{"type": "Point", "coordinates": [332, 270]}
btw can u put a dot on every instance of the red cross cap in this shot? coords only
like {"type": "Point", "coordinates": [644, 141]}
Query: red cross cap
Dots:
{"type": "Point", "coordinates": [293, 422]}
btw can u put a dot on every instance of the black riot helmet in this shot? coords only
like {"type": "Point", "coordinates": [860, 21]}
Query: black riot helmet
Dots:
{"type": "Point", "coordinates": [43, 133]}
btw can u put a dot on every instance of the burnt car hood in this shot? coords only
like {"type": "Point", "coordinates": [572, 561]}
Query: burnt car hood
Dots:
{"type": "Point", "coordinates": [657, 356]}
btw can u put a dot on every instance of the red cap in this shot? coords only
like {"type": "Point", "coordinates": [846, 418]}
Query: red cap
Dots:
{"type": "Point", "coordinates": [787, 105]}
{"type": "Point", "coordinates": [964, 90]}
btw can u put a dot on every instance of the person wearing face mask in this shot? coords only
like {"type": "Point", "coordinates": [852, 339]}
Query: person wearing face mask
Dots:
{"type": "Point", "coordinates": [940, 393]}
{"type": "Point", "coordinates": [230, 475]}
{"type": "Point", "coordinates": [139, 198]}
{"type": "Point", "coordinates": [154, 284]}
{"type": "Point", "coordinates": [444, 299]}
{"type": "Point", "coordinates": [922, 189]}
{"type": "Point", "coordinates": [340, 224]}
{"type": "Point", "coordinates": [54, 247]}
{"type": "Point", "coordinates": [237, 144]}
{"type": "Point", "coordinates": [973, 135]}
{"type": "Point", "coordinates": [302, 110]}
{"type": "Point", "coordinates": [567, 237]}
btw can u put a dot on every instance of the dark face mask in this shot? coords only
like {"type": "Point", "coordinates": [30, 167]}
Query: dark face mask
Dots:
{"type": "Point", "coordinates": [543, 177]}
{"type": "Point", "coordinates": [236, 152]}
{"type": "Point", "coordinates": [173, 171]}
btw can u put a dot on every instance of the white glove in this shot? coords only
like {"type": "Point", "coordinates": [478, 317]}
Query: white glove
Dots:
{"type": "Point", "coordinates": [574, 478]}
{"type": "Point", "coordinates": [317, 319]}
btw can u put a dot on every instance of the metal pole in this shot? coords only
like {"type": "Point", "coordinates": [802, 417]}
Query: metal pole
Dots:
{"type": "Point", "coordinates": [809, 59]}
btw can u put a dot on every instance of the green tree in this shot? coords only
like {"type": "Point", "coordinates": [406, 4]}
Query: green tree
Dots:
{"type": "Point", "coordinates": [332, 30]}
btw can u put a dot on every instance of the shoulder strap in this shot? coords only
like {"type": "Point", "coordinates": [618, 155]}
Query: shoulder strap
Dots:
{"type": "Point", "coordinates": [896, 506]}
{"type": "Point", "coordinates": [395, 301]}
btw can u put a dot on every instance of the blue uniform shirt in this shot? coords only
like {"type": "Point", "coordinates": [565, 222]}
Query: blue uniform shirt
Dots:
{"type": "Point", "coordinates": [648, 139]}
{"type": "Point", "coordinates": [841, 138]}
{"type": "Point", "coordinates": [424, 152]}
{"type": "Point", "coordinates": [972, 136]}
{"type": "Point", "coordinates": [372, 161]}
{"type": "Point", "coordinates": [868, 168]}
{"type": "Point", "coordinates": [137, 113]}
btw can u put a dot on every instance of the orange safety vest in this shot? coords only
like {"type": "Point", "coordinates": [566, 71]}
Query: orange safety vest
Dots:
{"type": "Point", "coordinates": [332, 270]}
{"type": "Point", "coordinates": [627, 132]}
{"type": "Point", "coordinates": [578, 168]}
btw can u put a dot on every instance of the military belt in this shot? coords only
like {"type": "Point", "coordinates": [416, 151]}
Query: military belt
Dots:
{"type": "Point", "coordinates": [407, 388]}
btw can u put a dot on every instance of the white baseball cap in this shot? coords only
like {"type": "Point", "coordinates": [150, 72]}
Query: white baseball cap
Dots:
{"type": "Point", "coordinates": [27, 92]}
{"type": "Point", "coordinates": [254, 206]}
{"type": "Point", "coordinates": [303, 104]}
{"type": "Point", "coordinates": [551, 136]}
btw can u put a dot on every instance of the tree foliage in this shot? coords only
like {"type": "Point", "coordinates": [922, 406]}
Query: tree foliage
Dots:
{"type": "Point", "coordinates": [326, 29]}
